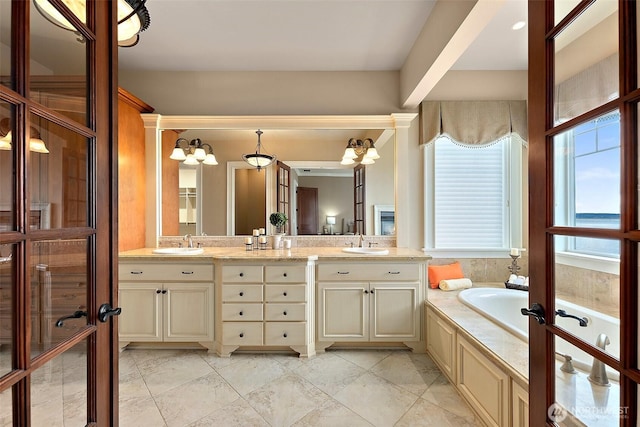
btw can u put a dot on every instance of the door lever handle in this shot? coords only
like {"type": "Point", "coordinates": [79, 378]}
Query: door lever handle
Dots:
{"type": "Point", "coordinates": [582, 320]}
{"type": "Point", "coordinates": [76, 315]}
{"type": "Point", "coordinates": [537, 312]}
{"type": "Point", "coordinates": [105, 311]}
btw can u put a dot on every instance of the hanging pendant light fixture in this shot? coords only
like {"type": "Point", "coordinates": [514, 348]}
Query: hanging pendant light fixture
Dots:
{"type": "Point", "coordinates": [193, 153]}
{"type": "Point", "coordinates": [258, 159]}
{"type": "Point", "coordinates": [133, 17]}
{"type": "Point", "coordinates": [360, 148]}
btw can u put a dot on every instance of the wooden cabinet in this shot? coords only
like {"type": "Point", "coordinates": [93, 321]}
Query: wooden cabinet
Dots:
{"type": "Point", "coordinates": [264, 305]}
{"type": "Point", "coordinates": [370, 302]}
{"type": "Point", "coordinates": [166, 302]}
{"type": "Point", "coordinates": [441, 343]}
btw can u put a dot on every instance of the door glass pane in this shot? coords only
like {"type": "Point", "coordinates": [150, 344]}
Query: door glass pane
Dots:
{"type": "Point", "coordinates": [6, 414]}
{"type": "Point", "coordinates": [58, 66]}
{"type": "Point", "coordinates": [6, 302]}
{"type": "Point", "coordinates": [586, 62]}
{"type": "Point", "coordinates": [6, 167]}
{"type": "Point", "coordinates": [60, 273]}
{"type": "Point", "coordinates": [582, 395]}
{"type": "Point", "coordinates": [58, 176]}
{"type": "Point", "coordinates": [588, 288]}
{"type": "Point", "coordinates": [5, 41]}
{"type": "Point", "coordinates": [587, 174]}
{"type": "Point", "coordinates": [562, 9]}
{"type": "Point", "coordinates": [59, 390]}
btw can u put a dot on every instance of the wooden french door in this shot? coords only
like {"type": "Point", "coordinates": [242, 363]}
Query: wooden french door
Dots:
{"type": "Point", "coordinates": [283, 191]}
{"type": "Point", "coordinates": [359, 199]}
{"type": "Point", "coordinates": [58, 203]}
{"type": "Point", "coordinates": [583, 212]}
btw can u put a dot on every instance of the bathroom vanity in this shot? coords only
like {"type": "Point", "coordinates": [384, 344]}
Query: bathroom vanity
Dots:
{"type": "Point", "coordinates": [304, 299]}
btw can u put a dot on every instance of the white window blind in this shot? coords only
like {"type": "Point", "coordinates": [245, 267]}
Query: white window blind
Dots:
{"type": "Point", "coordinates": [470, 196]}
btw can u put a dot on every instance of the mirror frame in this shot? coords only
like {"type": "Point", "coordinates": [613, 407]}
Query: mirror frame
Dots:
{"type": "Point", "coordinates": [156, 123]}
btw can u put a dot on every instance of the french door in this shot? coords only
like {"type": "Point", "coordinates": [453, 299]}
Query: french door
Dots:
{"type": "Point", "coordinates": [58, 201]}
{"type": "Point", "coordinates": [583, 212]}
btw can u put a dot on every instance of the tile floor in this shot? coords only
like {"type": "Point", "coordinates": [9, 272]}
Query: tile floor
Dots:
{"type": "Point", "coordinates": [338, 388]}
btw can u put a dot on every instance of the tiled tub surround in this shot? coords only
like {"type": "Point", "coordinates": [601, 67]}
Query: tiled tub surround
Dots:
{"type": "Point", "coordinates": [511, 355]}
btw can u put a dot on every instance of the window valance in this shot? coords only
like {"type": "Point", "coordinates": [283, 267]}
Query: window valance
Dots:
{"type": "Point", "coordinates": [473, 123]}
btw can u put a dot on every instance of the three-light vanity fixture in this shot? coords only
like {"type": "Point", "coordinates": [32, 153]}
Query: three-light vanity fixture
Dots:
{"type": "Point", "coordinates": [193, 153]}
{"type": "Point", "coordinates": [358, 148]}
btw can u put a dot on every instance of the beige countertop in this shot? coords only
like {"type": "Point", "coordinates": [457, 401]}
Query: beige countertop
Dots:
{"type": "Point", "coordinates": [293, 254]}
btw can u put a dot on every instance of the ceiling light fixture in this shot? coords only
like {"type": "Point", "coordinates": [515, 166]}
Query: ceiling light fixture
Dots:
{"type": "Point", "coordinates": [193, 153]}
{"type": "Point", "coordinates": [357, 148]}
{"type": "Point", "coordinates": [133, 18]}
{"type": "Point", "coordinates": [259, 160]}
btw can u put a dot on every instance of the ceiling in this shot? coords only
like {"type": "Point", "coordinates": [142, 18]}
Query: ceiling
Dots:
{"type": "Point", "coordinates": [309, 35]}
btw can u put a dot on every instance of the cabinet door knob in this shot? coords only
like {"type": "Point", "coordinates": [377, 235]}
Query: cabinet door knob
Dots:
{"type": "Point", "coordinates": [241, 334]}
{"type": "Point", "coordinates": [158, 291]}
{"type": "Point", "coordinates": [284, 335]}
{"type": "Point", "coordinates": [285, 274]}
{"type": "Point", "coordinates": [373, 291]}
{"type": "Point", "coordinates": [366, 291]}
{"type": "Point", "coordinates": [240, 313]}
{"type": "Point", "coordinates": [284, 293]}
{"type": "Point", "coordinates": [241, 274]}
{"type": "Point", "coordinates": [284, 312]}
{"type": "Point", "coordinates": [241, 294]}
{"type": "Point", "coordinates": [164, 291]}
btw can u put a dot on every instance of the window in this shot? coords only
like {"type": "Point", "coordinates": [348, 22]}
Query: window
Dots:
{"type": "Point", "coordinates": [473, 200]}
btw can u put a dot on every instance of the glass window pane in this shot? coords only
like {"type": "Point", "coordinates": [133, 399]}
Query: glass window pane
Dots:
{"type": "Point", "coordinates": [587, 174]}
{"type": "Point", "coordinates": [59, 390]}
{"type": "Point", "coordinates": [60, 274]}
{"type": "Point", "coordinates": [58, 175]}
{"type": "Point", "coordinates": [6, 304]}
{"type": "Point", "coordinates": [6, 167]}
{"type": "Point", "coordinates": [561, 8]}
{"type": "Point", "coordinates": [5, 42]}
{"type": "Point", "coordinates": [588, 288]}
{"type": "Point", "coordinates": [6, 402]}
{"type": "Point", "coordinates": [579, 400]}
{"type": "Point", "coordinates": [58, 66]}
{"type": "Point", "coordinates": [586, 61]}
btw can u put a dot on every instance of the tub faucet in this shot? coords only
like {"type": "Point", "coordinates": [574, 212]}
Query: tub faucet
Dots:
{"type": "Point", "coordinates": [567, 366]}
{"type": "Point", "coordinates": [598, 373]}
{"type": "Point", "coordinates": [187, 238]}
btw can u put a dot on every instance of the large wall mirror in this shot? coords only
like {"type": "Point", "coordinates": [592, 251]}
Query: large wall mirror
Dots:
{"type": "Point", "coordinates": [233, 198]}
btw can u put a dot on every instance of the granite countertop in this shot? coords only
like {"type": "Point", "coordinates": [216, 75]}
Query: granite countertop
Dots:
{"type": "Point", "coordinates": [500, 343]}
{"type": "Point", "coordinates": [293, 254]}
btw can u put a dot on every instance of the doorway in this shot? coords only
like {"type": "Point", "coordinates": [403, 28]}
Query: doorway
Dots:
{"type": "Point", "coordinates": [307, 210]}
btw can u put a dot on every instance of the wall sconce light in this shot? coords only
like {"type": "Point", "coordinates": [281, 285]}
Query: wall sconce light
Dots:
{"type": "Point", "coordinates": [331, 220]}
{"type": "Point", "coordinates": [360, 148]}
{"type": "Point", "coordinates": [133, 18]}
{"type": "Point", "coordinates": [193, 153]}
{"type": "Point", "coordinates": [259, 160]}
{"type": "Point", "coordinates": [36, 144]}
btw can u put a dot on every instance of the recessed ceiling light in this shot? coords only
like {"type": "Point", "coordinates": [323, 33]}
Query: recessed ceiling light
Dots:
{"type": "Point", "coordinates": [518, 25]}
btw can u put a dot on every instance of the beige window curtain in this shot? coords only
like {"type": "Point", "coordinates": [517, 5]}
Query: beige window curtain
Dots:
{"type": "Point", "coordinates": [473, 123]}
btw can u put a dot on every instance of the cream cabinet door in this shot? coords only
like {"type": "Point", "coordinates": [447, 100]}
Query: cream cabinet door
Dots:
{"type": "Point", "coordinates": [188, 312]}
{"type": "Point", "coordinates": [141, 318]}
{"type": "Point", "coordinates": [394, 311]}
{"type": "Point", "coordinates": [441, 341]}
{"type": "Point", "coordinates": [343, 311]}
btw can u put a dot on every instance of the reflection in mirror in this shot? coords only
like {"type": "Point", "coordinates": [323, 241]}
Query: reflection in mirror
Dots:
{"type": "Point", "coordinates": [225, 203]}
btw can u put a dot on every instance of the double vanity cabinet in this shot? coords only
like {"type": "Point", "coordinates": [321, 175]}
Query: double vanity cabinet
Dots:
{"type": "Point", "coordinates": [304, 300]}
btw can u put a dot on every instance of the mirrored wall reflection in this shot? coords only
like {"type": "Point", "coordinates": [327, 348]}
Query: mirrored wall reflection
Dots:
{"type": "Point", "coordinates": [7, 222]}
{"type": "Point", "coordinates": [59, 390]}
{"type": "Point", "coordinates": [58, 66]}
{"type": "Point", "coordinates": [59, 278]}
{"type": "Point", "coordinates": [5, 40]}
{"type": "Point", "coordinates": [586, 61]}
{"type": "Point", "coordinates": [587, 174]}
{"type": "Point", "coordinates": [58, 176]}
{"type": "Point", "coordinates": [587, 392]}
{"type": "Point", "coordinates": [6, 304]}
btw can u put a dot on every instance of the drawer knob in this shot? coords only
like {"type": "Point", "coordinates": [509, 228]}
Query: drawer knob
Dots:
{"type": "Point", "coordinates": [284, 293]}
{"type": "Point", "coordinates": [241, 293]}
{"type": "Point", "coordinates": [284, 335]}
{"type": "Point", "coordinates": [241, 334]}
{"type": "Point", "coordinates": [284, 312]}
{"type": "Point", "coordinates": [240, 313]}
{"type": "Point", "coordinates": [241, 274]}
{"type": "Point", "coordinates": [285, 274]}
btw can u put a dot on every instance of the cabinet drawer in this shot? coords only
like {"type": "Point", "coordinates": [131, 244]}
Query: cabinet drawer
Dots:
{"type": "Point", "coordinates": [242, 333]}
{"type": "Point", "coordinates": [285, 293]}
{"type": "Point", "coordinates": [242, 274]}
{"type": "Point", "coordinates": [285, 333]}
{"type": "Point", "coordinates": [242, 312]}
{"type": "Point", "coordinates": [165, 271]}
{"type": "Point", "coordinates": [245, 293]}
{"type": "Point", "coordinates": [285, 273]}
{"type": "Point", "coordinates": [368, 271]}
{"type": "Point", "coordinates": [285, 312]}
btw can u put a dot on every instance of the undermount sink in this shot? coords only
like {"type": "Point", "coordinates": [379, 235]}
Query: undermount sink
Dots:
{"type": "Point", "coordinates": [178, 251]}
{"type": "Point", "coordinates": [367, 251]}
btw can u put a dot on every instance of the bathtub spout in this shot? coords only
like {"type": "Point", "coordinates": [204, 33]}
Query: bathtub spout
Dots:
{"type": "Point", "coordinates": [598, 372]}
{"type": "Point", "coordinates": [567, 366]}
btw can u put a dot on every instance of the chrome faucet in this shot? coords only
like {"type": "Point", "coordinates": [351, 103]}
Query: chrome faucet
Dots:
{"type": "Point", "coordinates": [598, 373]}
{"type": "Point", "coordinates": [567, 366]}
{"type": "Point", "coordinates": [361, 241]}
{"type": "Point", "coordinates": [187, 238]}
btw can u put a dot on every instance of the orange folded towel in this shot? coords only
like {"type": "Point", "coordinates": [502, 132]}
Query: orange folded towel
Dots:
{"type": "Point", "coordinates": [455, 284]}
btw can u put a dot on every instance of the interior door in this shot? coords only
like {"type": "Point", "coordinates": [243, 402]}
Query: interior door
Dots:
{"type": "Point", "coordinates": [283, 192]}
{"type": "Point", "coordinates": [359, 202]}
{"type": "Point", "coordinates": [307, 210]}
{"type": "Point", "coordinates": [583, 213]}
{"type": "Point", "coordinates": [58, 354]}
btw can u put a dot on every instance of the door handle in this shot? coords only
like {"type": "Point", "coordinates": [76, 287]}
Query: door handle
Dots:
{"type": "Point", "coordinates": [582, 320]}
{"type": "Point", "coordinates": [105, 311]}
{"type": "Point", "coordinates": [537, 312]}
{"type": "Point", "coordinates": [76, 315]}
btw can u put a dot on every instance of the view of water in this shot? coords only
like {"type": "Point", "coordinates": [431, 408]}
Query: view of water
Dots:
{"type": "Point", "coordinates": [603, 247]}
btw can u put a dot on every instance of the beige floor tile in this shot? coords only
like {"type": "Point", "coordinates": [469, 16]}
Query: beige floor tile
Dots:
{"type": "Point", "coordinates": [426, 414]}
{"type": "Point", "coordinates": [412, 372]}
{"type": "Point", "coordinates": [237, 413]}
{"type": "Point", "coordinates": [140, 412]}
{"type": "Point", "coordinates": [286, 400]}
{"type": "Point", "coordinates": [363, 358]}
{"type": "Point", "coordinates": [376, 399]}
{"type": "Point", "coordinates": [330, 373]}
{"type": "Point", "coordinates": [169, 372]}
{"type": "Point", "coordinates": [251, 372]}
{"type": "Point", "coordinates": [443, 394]}
{"type": "Point", "coordinates": [332, 414]}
